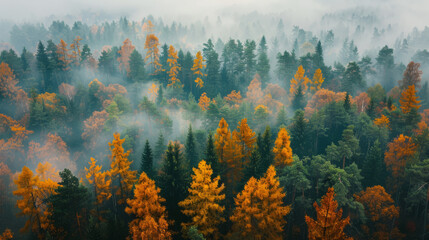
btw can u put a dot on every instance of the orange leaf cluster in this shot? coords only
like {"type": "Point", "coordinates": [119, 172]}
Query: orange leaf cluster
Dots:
{"type": "Point", "coordinates": [152, 54]}
{"type": "Point", "coordinates": [399, 152]}
{"type": "Point", "coordinates": [75, 51]}
{"type": "Point", "coordinates": [100, 180]}
{"type": "Point", "coordinates": [93, 126]}
{"type": "Point", "coordinates": [329, 224]}
{"type": "Point", "coordinates": [106, 94]}
{"type": "Point", "coordinates": [318, 79]}
{"type": "Point", "coordinates": [323, 97]}
{"type": "Point", "coordinates": [204, 101]}
{"type": "Point", "coordinates": [382, 121]}
{"type": "Point", "coordinates": [125, 53]}
{"type": "Point", "coordinates": [197, 69]}
{"type": "Point", "coordinates": [6, 235]}
{"type": "Point", "coordinates": [299, 80]}
{"type": "Point", "coordinates": [254, 91]}
{"type": "Point", "coordinates": [409, 100]}
{"type": "Point", "coordinates": [18, 134]}
{"type": "Point", "coordinates": [174, 68]}
{"type": "Point", "coordinates": [9, 88]}
{"type": "Point", "coordinates": [233, 97]}
{"type": "Point", "coordinates": [362, 102]}
{"type": "Point", "coordinates": [282, 150]}
{"type": "Point", "coordinates": [63, 55]}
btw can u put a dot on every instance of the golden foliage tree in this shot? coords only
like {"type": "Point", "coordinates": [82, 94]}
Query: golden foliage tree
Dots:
{"type": "Point", "coordinates": [259, 212]}
{"type": "Point", "coordinates": [282, 150]}
{"type": "Point", "coordinates": [254, 91]}
{"type": "Point", "coordinates": [18, 134]}
{"type": "Point", "coordinates": [75, 51]}
{"type": "Point", "coordinates": [120, 168]}
{"type": "Point", "coordinates": [63, 55]}
{"type": "Point", "coordinates": [329, 224]}
{"type": "Point", "coordinates": [299, 79]}
{"type": "Point", "coordinates": [93, 126]}
{"type": "Point", "coordinates": [32, 192]}
{"type": "Point", "coordinates": [203, 202]}
{"type": "Point", "coordinates": [233, 97]}
{"type": "Point", "coordinates": [246, 137]}
{"type": "Point", "coordinates": [125, 53]}
{"type": "Point", "coordinates": [197, 69]}
{"type": "Point", "coordinates": [100, 181]}
{"type": "Point", "coordinates": [153, 91]}
{"type": "Point", "coordinates": [382, 121]}
{"type": "Point", "coordinates": [174, 68]}
{"type": "Point", "coordinates": [399, 152]}
{"type": "Point", "coordinates": [318, 80]}
{"type": "Point", "coordinates": [150, 217]}
{"type": "Point", "coordinates": [204, 101]}
{"type": "Point", "coordinates": [362, 102]}
{"type": "Point", "coordinates": [6, 235]}
{"type": "Point", "coordinates": [222, 136]}
{"type": "Point", "coordinates": [321, 98]}
{"type": "Point", "coordinates": [409, 100]}
{"type": "Point", "coordinates": [152, 54]}
{"type": "Point", "coordinates": [9, 88]}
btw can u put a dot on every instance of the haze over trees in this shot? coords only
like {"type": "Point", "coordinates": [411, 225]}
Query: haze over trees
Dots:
{"type": "Point", "coordinates": [150, 129]}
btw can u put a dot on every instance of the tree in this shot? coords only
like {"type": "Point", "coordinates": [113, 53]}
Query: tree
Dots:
{"type": "Point", "coordinates": [7, 235]}
{"type": "Point", "coordinates": [247, 138]}
{"type": "Point", "coordinates": [263, 64]}
{"type": "Point", "coordinates": [259, 212]}
{"type": "Point", "coordinates": [124, 56]}
{"type": "Point", "coordinates": [159, 149]}
{"type": "Point", "coordinates": [152, 54]}
{"type": "Point", "coordinates": [101, 182]}
{"type": "Point", "coordinates": [136, 67]}
{"type": "Point", "coordinates": [299, 81]}
{"type": "Point", "coordinates": [318, 80]}
{"type": "Point", "coordinates": [299, 134]}
{"type": "Point", "coordinates": [409, 100]}
{"type": "Point", "coordinates": [211, 157]}
{"type": "Point", "coordinates": [373, 168]}
{"type": "Point", "coordinates": [63, 56]}
{"type": "Point", "coordinates": [382, 121]}
{"type": "Point", "coordinates": [380, 209]}
{"type": "Point", "coordinates": [352, 78]}
{"type": "Point", "coordinates": [204, 101]}
{"type": "Point", "coordinates": [147, 160]}
{"type": "Point", "coordinates": [33, 193]}
{"type": "Point", "coordinates": [249, 59]}
{"type": "Point", "coordinates": [67, 207]}
{"type": "Point", "coordinates": [197, 68]}
{"type": "Point", "coordinates": [347, 147]}
{"type": "Point", "coordinates": [399, 153]}
{"type": "Point", "coordinates": [173, 182]}
{"type": "Point", "coordinates": [385, 65]}
{"type": "Point", "coordinates": [282, 150]}
{"type": "Point", "coordinates": [412, 76]}
{"type": "Point", "coordinates": [190, 149]}
{"type": "Point", "coordinates": [329, 224]}
{"type": "Point", "coordinates": [212, 70]}
{"type": "Point", "coordinates": [75, 55]}
{"type": "Point", "coordinates": [174, 68]}
{"type": "Point", "coordinates": [203, 201]}
{"type": "Point", "coordinates": [120, 169]}
{"type": "Point", "coordinates": [9, 89]}
{"type": "Point", "coordinates": [150, 217]}
{"type": "Point", "coordinates": [264, 144]}
{"type": "Point", "coordinates": [42, 64]}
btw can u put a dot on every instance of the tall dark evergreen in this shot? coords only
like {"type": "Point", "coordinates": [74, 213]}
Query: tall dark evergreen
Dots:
{"type": "Point", "coordinates": [67, 207]}
{"type": "Point", "coordinates": [265, 146]}
{"type": "Point", "coordinates": [147, 161]}
{"type": "Point", "coordinates": [159, 150]}
{"type": "Point", "coordinates": [42, 65]}
{"type": "Point", "coordinates": [211, 157]}
{"type": "Point", "coordinates": [347, 104]}
{"type": "Point", "coordinates": [190, 148]}
{"type": "Point", "coordinates": [249, 60]}
{"type": "Point", "coordinates": [299, 134]}
{"type": "Point", "coordinates": [352, 80]}
{"type": "Point", "coordinates": [137, 71]}
{"type": "Point", "coordinates": [298, 101]}
{"type": "Point", "coordinates": [263, 64]}
{"type": "Point", "coordinates": [212, 69]}
{"type": "Point", "coordinates": [385, 65]}
{"type": "Point", "coordinates": [163, 75]}
{"type": "Point", "coordinates": [373, 171]}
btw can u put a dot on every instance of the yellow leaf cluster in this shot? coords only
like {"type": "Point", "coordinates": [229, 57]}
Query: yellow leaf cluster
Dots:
{"type": "Point", "coordinates": [204, 101]}
{"type": "Point", "coordinates": [174, 68]}
{"type": "Point", "coordinates": [100, 180]}
{"type": "Point", "coordinates": [382, 121]}
{"type": "Point", "coordinates": [125, 53]}
{"type": "Point", "coordinates": [152, 54]}
{"type": "Point", "coordinates": [409, 100]}
{"type": "Point", "coordinates": [282, 150]}
{"type": "Point", "coordinates": [318, 79]}
{"type": "Point", "coordinates": [299, 80]}
{"type": "Point", "coordinates": [197, 69]}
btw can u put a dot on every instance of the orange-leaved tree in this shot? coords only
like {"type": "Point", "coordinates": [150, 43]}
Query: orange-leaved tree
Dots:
{"type": "Point", "coordinates": [233, 97]}
{"type": "Point", "coordinates": [150, 217]}
{"type": "Point", "coordinates": [120, 169]}
{"type": "Point", "coordinates": [246, 137]}
{"type": "Point", "coordinates": [382, 121]}
{"type": "Point", "coordinates": [152, 54]}
{"type": "Point", "coordinates": [409, 100]}
{"type": "Point", "coordinates": [260, 212]}
{"type": "Point", "coordinates": [9, 89]}
{"type": "Point", "coordinates": [380, 209]}
{"type": "Point", "coordinates": [204, 101]}
{"type": "Point", "coordinates": [203, 205]}
{"type": "Point", "coordinates": [75, 54]}
{"type": "Point", "coordinates": [399, 152]}
{"type": "Point", "coordinates": [6, 235]}
{"type": "Point", "coordinates": [318, 79]}
{"type": "Point", "coordinates": [298, 80]}
{"type": "Point", "coordinates": [329, 223]}
{"type": "Point", "coordinates": [124, 55]}
{"type": "Point", "coordinates": [282, 150]}
{"type": "Point", "coordinates": [174, 68]}
{"type": "Point", "coordinates": [63, 56]}
{"type": "Point", "coordinates": [197, 68]}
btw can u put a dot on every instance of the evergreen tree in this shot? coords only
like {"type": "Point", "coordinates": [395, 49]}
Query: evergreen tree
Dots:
{"type": "Point", "coordinates": [136, 63]}
{"type": "Point", "coordinates": [190, 148]}
{"type": "Point", "coordinates": [373, 168]}
{"type": "Point", "coordinates": [67, 207]}
{"type": "Point", "coordinates": [159, 150]}
{"type": "Point", "coordinates": [147, 161]}
{"type": "Point", "coordinates": [352, 80]}
{"type": "Point", "coordinates": [160, 96]}
{"type": "Point", "coordinates": [42, 64]}
{"type": "Point", "coordinates": [299, 134]}
{"type": "Point", "coordinates": [263, 64]}
{"type": "Point", "coordinates": [173, 184]}
{"type": "Point", "coordinates": [281, 118]}
{"type": "Point", "coordinates": [347, 103]}
{"type": "Point", "coordinates": [298, 101]}
{"type": "Point", "coordinates": [212, 82]}
{"type": "Point", "coordinates": [249, 60]}
{"type": "Point", "coordinates": [163, 75]}
{"type": "Point", "coordinates": [265, 145]}
{"type": "Point", "coordinates": [385, 65]}
{"type": "Point", "coordinates": [211, 157]}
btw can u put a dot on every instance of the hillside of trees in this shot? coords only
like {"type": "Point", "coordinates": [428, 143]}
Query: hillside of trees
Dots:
{"type": "Point", "coordinates": [146, 130]}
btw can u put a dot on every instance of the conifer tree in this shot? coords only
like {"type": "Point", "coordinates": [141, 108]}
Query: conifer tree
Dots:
{"type": "Point", "coordinates": [203, 205]}
{"type": "Point", "coordinates": [190, 148]}
{"type": "Point", "coordinates": [147, 160]}
{"type": "Point", "coordinates": [211, 157]}
{"type": "Point", "coordinates": [264, 143]}
{"type": "Point", "coordinates": [150, 216]}
{"type": "Point", "coordinates": [263, 64]}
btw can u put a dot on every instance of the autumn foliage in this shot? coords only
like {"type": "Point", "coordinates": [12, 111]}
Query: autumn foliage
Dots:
{"type": "Point", "coordinates": [282, 150]}
{"type": "Point", "coordinates": [329, 223]}
{"type": "Point", "coordinates": [409, 100]}
{"type": "Point", "coordinates": [399, 152]}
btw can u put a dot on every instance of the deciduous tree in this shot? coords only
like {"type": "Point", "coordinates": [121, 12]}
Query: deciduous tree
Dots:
{"type": "Point", "coordinates": [282, 150]}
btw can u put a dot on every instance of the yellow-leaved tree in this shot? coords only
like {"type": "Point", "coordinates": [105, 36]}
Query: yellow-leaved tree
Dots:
{"type": "Point", "coordinates": [197, 68]}
{"type": "Point", "coordinates": [174, 68]}
{"type": "Point", "coordinates": [203, 205]}
{"type": "Point", "coordinates": [409, 100]}
{"type": "Point", "coordinates": [246, 137]}
{"type": "Point", "coordinates": [120, 169]}
{"type": "Point", "coordinates": [100, 181]}
{"type": "Point", "coordinates": [150, 218]}
{"type": "Point", "coordinates": [124, 55]}
{"type": "Point", "coordinates": [152, 54]}
{"type": "Point", "coordinates": [282, 150]}
{"type": "Point", "coordinates": [260, 212]}
{"type": "Point", "coordinates": [299, 80]}
{"type": "Point", "coordinates": [318, 79]}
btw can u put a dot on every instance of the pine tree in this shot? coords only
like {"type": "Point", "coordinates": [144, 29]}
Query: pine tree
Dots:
{"type": "Point", "coordinates": [264, 144]}
{"type": "Point", "coordinates": [159, 150]}
{"type": "Point", "coordinates": [347, 103]}
{"type": "Point", "coordinates": [212, 69]}
{"type": "Point", "coordinates": [147, 160]}
{"type": "Point", "coordinates": [150, 216]}
{"type": "Point", "coordinates": [211, 157]}
{"type": "Point", "coordinates": [136, 67]}
{"type": "Point", "coordinates": [263, 64]}
{"type": "Point", "coordinates": [203, 203]}
{"type": "Point", "coordinates": [298, 101]}
{"type": "Point", "coordinates": [299, 134]}
{"type": "Point", "coordinates": [190, 149]}
{"type": "Point", "coordinates": [373, 168]}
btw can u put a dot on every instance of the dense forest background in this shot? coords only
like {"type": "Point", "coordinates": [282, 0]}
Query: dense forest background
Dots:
{"type": "Point", "coordinates": [120, 128]}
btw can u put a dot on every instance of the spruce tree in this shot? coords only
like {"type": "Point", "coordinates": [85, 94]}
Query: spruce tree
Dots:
{"type": "Point", "coordinates": [136, 62]}
{"type": "Point", "coordinates": [264, 144]}
{"type": "Point", "coordinates": [263, 64]}
{"type": "Point", "coordinates": [373, 171]}
{"type": "Point", "coordinates": [147, 160]}
{"type": "Point", "coordinates": [210, 156]}
{"type": "Point", "coordinates": [159, 150]}
{"type": "Point", "coordinates": [299, 134]}
{"type": "Point", "coordinates": [191, 151]}
{"type": "Point", "coordinates": [347, 103]}
{"type": "Point", "coordinates": [298, 101]}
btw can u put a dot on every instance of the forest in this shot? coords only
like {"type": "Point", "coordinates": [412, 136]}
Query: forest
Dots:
{"type": "Point", "coordinates": [150, 129]}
